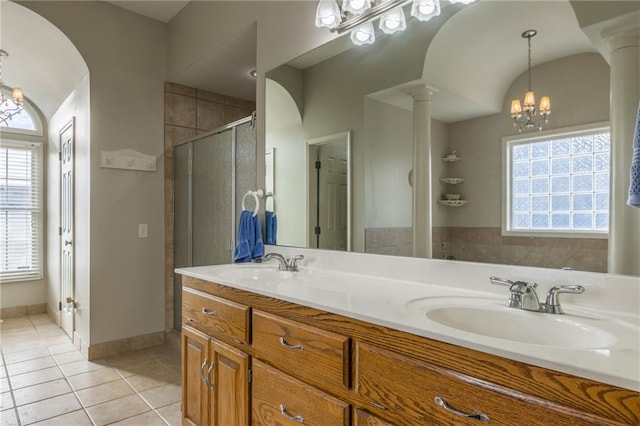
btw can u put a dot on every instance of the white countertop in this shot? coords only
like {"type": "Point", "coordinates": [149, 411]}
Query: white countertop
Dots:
{"type": "Point", "coordinates": [402, 304]}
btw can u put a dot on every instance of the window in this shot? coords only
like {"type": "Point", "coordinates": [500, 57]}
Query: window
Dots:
{"type": "Point", "coordinates": [25, 122]}
{"type": "Point", "coordinates": [558, 183]}
{"type": "Point", "coordinates": [20, 210]}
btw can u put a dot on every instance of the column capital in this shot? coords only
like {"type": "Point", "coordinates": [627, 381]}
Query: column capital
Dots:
{"type": "Point", "coordinates": [422, 93]}
{"type": "Point", "coordinates": [622, 32]}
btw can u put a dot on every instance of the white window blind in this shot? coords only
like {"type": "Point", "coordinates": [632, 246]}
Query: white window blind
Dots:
{"type": "Point", "coordinates": [20, 211]}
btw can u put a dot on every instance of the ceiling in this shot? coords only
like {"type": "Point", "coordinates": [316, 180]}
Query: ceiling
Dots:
{"type": "Point", "coordinates": [163, 10]}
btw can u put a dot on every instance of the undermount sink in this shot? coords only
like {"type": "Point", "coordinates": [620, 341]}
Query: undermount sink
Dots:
{"type": "Point", "coordinates": [490, 318]}
{"type": "Point", "coordinates": [522, 326]}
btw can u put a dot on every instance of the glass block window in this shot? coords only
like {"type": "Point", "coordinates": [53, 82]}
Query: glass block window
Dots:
{"type": "Point", "coordinates": [559, 183]}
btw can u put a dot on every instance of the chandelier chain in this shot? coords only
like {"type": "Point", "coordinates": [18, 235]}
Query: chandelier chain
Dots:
{"type": "Point", "coordinates": [529, 61]}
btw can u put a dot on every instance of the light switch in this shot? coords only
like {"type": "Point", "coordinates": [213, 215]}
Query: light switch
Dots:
{"type": "Point", "coordinates": [143, 230]}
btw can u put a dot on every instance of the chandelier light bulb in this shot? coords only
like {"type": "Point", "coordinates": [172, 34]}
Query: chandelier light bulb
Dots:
{"type": "Point", "coordinates": [364, 34]}
{"type": "Point", "coordinates": [545, 106]}
{"type": "Point", "coordinates": [516, 109]}
{"type": "Point", "coordinates": [529, 101]}
{"type": "Point", "coordinates": [393, 21]}
{"type": "Point", "coordinates": [423, 10]}
{"type": "Point", "coordinates": [327, 14]}
{"type": "Point", "coordinates": [17, 96]}
{"type": "Point", "coordinates": [356, 6]}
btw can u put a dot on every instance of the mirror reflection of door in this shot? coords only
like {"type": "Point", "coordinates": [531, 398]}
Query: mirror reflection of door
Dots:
{"type": "Point", "coordinates": [328, 190]}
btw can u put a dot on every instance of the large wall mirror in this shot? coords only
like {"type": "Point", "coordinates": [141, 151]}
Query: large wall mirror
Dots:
{"type": "Point", "coordinates": [476, 59]}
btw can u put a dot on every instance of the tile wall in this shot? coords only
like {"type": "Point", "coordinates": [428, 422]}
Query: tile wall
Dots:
{"type": "Point", "coordinates": [487, 245]}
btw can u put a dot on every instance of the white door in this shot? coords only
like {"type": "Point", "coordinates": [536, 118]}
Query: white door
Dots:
{"type": "Point", "coordinates": [67, 282]}
{"type": "Point", "coordinates": [332, 196]}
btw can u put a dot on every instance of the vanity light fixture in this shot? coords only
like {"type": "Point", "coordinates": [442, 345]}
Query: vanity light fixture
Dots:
{"type": "Point", "coordinates": [357, 16]}
{"type": "Point", "coordinates": [524, 116]}
{"type": "Point", "coordinates": [9, 107]}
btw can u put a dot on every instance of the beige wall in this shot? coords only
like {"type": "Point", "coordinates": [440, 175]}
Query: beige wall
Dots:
{"type": "Point", "coordinates": [579, 89]}
{"type": "Point", "coordinates": [127, 60]}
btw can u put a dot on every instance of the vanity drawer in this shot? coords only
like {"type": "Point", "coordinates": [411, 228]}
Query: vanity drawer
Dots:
{"type": "Point", "coordinates": [403, 390]}
{"type": "Point", "coordinates": [301, 350]}
{"type": "Point", "coordinates": [226, 320]}
{"type": "Point", "coordinates": [279, 399]}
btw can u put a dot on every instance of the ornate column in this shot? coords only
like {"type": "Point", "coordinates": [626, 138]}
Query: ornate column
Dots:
{"type": "Point", "coordinates": [624, 221]}
{"type": "Point", "coordinates": [422, 204]}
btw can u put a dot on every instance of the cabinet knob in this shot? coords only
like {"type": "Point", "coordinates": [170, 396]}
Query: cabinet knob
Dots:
{"type": "Point", "coordinates": [208, 312]}
{"type": "Point", "coordinates": [204, 379]}
{"type": "Point", "coordinates": [476, 416]}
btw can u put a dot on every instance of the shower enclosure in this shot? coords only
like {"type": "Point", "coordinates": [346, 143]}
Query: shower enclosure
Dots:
{"type": "Point", "coordinates": [212, 172]}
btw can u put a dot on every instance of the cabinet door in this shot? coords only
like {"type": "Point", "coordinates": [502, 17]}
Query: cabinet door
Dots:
{"type": "Point", "coordinates": [195, 358]}
{"type": "Point", "coordinates": [229, 394]}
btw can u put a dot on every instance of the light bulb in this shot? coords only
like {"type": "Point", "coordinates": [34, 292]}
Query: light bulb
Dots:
{"type": "Point", "coordinates": [423, 10]}
{"type": "Point", "coordinates": [364, 34]}
{"type": "Point", "coordinates": [327, 14]}
{"type": "Point", "coordinates": [356, 6]}
{"type": "Point", "coordinates": [393, 21]}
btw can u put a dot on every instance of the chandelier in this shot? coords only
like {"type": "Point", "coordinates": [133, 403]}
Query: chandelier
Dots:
{"type": "Point", "coordinates": [9, 107]}
{"type": "Point", "coordinates": [357, 16]}
{"type": "Point", "coordinates": [524, 116]}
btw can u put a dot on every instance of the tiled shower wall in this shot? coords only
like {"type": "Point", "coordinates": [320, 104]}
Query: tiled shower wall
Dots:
{"type": "Point", "coordinates": [487, 245]}
{"type": "Point", "coordinates": [187, 113]}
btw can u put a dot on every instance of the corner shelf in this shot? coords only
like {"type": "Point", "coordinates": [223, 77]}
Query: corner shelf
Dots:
{"type": "Point", "coordinates": [452, 203]}
{"type": "Point", "coordinates": [452, 181]}
{"type": "Point", "coordinates": [451, 159]}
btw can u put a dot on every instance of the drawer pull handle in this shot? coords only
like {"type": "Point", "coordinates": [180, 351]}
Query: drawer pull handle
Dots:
{"type": "Point", "coordinates": [380, 406]}
{"type": "Point", "coordinates": [286, 415]}
{"type": "Point", "coordinates": [284, 343]}
{"type": "Point", "coordinates": [208, 312]}
{"type": "Point", "coordinates": [476, 416]}
{"type": "Point", "coordinates": [209, 383]}
{"type": "Point", "coordinates": [202, 378]}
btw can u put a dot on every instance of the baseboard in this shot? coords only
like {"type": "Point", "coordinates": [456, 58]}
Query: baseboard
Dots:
{"type": "Point", "coordinates": [114, 347]}
{"type": "Point", "coordinates": [21, 311]}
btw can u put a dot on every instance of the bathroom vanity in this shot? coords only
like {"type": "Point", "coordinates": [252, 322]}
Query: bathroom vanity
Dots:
{"type": "Point", "coordinates": [267, 347]}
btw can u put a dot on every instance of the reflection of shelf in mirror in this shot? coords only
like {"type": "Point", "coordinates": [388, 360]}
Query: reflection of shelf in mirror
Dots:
{"type": "Point", "coordinates": [451, 159]}
{"type": "Point", "coordinates": [452, 181]}
{"type": "Point", "coordinates": [452, 203]}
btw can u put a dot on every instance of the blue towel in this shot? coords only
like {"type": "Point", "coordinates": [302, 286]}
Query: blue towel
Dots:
{"type": "Point", "coordinates": [271, 227]}
{"type": "Point", "coordinates": [249, 244]}
{"type": "Point", "coordinates": [634, 182]}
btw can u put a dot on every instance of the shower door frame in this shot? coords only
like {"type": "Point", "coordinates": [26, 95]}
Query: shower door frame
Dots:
{"type": "Point", "coordinates": [190, 142]}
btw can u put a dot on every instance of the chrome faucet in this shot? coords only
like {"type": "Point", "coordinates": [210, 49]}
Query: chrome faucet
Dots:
{"type": "Point", "coordinates": [523, 295]}
{"type": "Point", "coordinates": [285, 264]}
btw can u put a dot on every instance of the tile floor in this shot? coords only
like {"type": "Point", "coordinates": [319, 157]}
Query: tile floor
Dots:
{"type": "Point", "coordinates": [44, 380]}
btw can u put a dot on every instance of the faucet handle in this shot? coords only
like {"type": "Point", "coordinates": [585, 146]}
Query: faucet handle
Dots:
{"type": "Point", "coordinates": [552, 304]}
{"type": "Point", "coordinates": [293, 265]}
{"type": "Point", "coordinates": [501, 281]}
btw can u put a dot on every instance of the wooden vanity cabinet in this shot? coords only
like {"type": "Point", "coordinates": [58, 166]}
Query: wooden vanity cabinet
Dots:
{"type": "Point", "coordinates": [215, 381]}
{"type": "Point", "coordinates": [351, 372]}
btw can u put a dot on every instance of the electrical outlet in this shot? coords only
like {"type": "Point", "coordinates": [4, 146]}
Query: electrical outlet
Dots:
{"type": "Point", "coordinates": [143, 230]}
